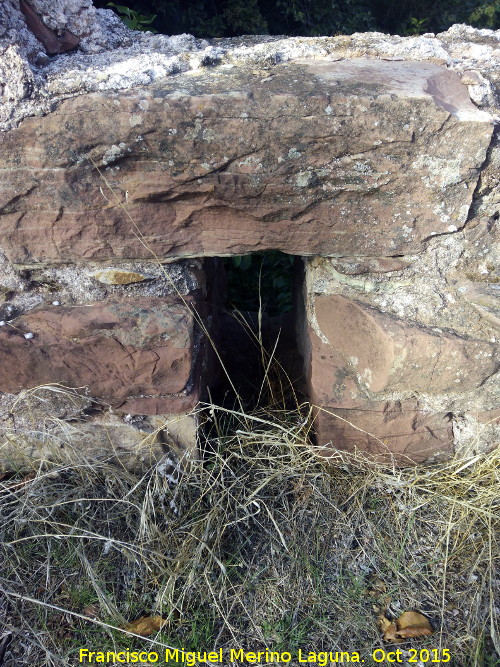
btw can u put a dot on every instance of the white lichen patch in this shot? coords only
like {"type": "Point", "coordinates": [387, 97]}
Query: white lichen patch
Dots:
{"type": "Point", "coordinates": [304, 178]}
{"type": "Point", "coordinates": [208, 135]}
{"type": "Point", "coordinates": [438, 171]}
{"type": "Point", "coordinates": [250, 163]}
{"type": "Point", "coordinates": [199, 132]}
{"type": "Point", "coordinates": [366, 377]}
{"type": "Point", "coordinates": [115, 153]}
{"type": "Point", "coordinates": [135, 119]}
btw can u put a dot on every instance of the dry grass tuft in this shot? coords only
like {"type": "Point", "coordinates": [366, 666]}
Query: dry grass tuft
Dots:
{"type": "Point", "coordinates": [259, 544]}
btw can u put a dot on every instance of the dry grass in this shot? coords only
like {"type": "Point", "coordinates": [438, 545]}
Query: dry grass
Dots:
{"type": "Point", "coordinates": [259, 545]}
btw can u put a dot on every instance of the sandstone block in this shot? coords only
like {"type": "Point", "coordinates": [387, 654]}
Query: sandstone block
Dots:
{"type": "Point", "coordinates": [379, 353]}
{"type": "Point", "coordinates": [321, 158]}
{"type": "Point", "coordinates": [120, 351]}
{"type": "Point", "coordinates": [386, 431]}
{"type": "Point", "coordinates": [368, 373]}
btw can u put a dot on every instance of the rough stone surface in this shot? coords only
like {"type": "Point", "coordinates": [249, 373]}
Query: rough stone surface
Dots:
{"type": "Point", "coordinates": [390, 355]}
{"type": "Point", "coordinates": [120, 350]}
{"type": "Point", "coordinates": [398, 431]}
{"type": "Point", "coordinates": [310, 162]}
{"type": "Point", "coordinates": [130, 59]}
{"type": "Point", "coordinates": [394, 380]}
{"type": "Point", "coordinates": [374, 157]}
{"type": "Point", "coordinates": [70, 284]}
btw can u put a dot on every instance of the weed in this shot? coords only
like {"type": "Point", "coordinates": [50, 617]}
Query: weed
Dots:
{"type": "Point", "coordinates": [133, 19]}
{"type": "Point", "coordinates": [415, 26]}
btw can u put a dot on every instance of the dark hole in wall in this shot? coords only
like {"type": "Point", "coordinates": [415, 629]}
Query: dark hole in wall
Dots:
{"type": "Point", "coordinates": [253, 302]}
{"type": "Point", "coordinates": [260, 280]}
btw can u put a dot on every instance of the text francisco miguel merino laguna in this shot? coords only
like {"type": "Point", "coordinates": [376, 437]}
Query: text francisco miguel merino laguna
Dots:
{"type": "Point", "coordinates": [192, 658]}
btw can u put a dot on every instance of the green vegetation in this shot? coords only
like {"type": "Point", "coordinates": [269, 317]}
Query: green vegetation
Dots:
{"type": "Point", "coordinates": [227, 18]}
{"type": "Point", "coordinates": [132, 18]}
{"type": "Point", "coordinates": [260, 281]}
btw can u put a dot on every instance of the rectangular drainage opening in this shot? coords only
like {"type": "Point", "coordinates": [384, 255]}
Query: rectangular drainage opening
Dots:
{"type": "Point", "coordinates": [254, 301]}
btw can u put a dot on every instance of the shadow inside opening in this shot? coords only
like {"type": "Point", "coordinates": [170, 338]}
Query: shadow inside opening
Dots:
{"type": "Point", "coordinates": [254, 303]}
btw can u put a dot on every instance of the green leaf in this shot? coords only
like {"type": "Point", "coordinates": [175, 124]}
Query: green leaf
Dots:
{"type": "Point", "coordinates": [130, 23]}
{"type": "Point", "coordinates": [132, 18]}
{"type": "Point", "coordinates": [246, 262]}
{"type": "Point", "coordinates": [147, 20]}
{"type": "Point", "coordinates": [121, 8]}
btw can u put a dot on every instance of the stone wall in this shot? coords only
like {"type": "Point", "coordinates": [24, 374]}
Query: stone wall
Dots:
{"type": "Point", "coordinates": [127, 158]}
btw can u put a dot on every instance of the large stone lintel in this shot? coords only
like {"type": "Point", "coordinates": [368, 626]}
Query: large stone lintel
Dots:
{"type": "Point", "coordinates": [319, 158]}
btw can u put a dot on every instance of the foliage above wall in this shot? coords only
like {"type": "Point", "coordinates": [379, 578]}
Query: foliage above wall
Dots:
{"type": "Point", "coordinates": [261, 280]}
{"type": "Point", "coordinates": [227, 18]}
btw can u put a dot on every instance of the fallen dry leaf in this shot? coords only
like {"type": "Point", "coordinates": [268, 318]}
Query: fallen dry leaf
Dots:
{"type": "Point", "coordinates": [377, 587]}
{"type": "Point", "coordinates": [413, 631]}
{"type": "Point", "coordinates": [390, 635]}
{"type": "Point", "coordinates": [146, 625]}
{"type": "Point", "coordinates": [413, 618]}
{"type": "Point", "coordinates": [385, 624]}
{"type": "Point", "coordinates": [409, 624]}
{"type": "Point", "coordinates": [413, 624]}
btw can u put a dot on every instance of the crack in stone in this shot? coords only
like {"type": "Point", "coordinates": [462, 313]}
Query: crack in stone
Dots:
{"type": "Point", "coordinates": [9, 206]}
{"type": "Point", "coordinates": [477, 195]}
